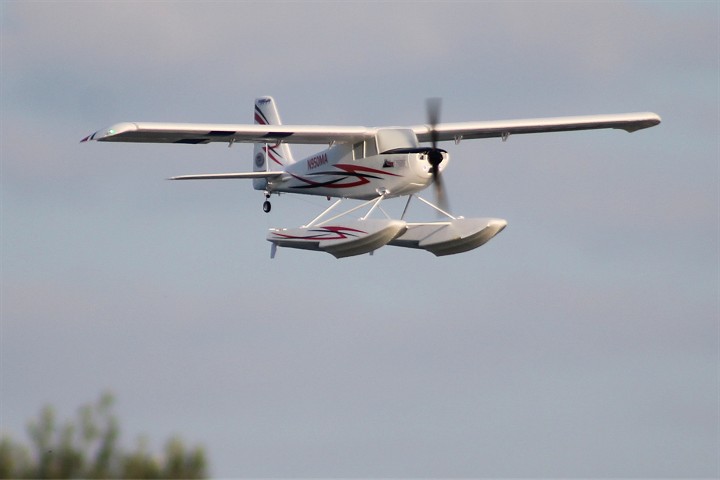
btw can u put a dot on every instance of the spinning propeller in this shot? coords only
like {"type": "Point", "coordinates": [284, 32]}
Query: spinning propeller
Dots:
{"type": "Point", "coordinates": [434, 154]}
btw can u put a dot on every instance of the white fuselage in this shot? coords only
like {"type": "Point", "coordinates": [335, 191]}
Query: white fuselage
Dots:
{"type": "Point", "coordinates": [343, 171]}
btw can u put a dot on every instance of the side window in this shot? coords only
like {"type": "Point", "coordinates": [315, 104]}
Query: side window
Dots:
{"type": "Point", "coordinates": [370, 147]}
{"type": "Point", "coordinates": [359, 150]}
{"type": "Point", "coordinates": [395, 138]}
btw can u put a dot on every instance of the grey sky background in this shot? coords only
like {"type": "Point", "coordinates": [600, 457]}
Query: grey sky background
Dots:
{"type": "Point", "coordinates": [582, 341]}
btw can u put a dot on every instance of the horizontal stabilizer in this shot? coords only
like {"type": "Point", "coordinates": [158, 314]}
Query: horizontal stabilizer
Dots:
{"type": "Point", "coordinates": [221, 176]}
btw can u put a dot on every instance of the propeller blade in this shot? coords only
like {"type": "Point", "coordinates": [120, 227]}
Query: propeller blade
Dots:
{"type": "Point", "coordinates": [433, 115]}
{"type": "Point", "coordinates": [440, 195]}
{"type": "Point", "coordinates": [435, 156]}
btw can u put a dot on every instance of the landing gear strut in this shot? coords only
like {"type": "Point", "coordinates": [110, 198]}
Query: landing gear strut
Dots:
{"type": "Point", "coordinates": [266, 204]}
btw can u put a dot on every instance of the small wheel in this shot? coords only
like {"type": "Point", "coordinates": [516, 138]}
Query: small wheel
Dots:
{"type": "Point", "coordinates": [266, 207]}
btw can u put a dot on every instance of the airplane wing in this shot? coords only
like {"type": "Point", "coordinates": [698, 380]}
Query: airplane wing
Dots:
{"type": "Point", "coordinates": [629, 122]}
{"type": "Point", "coordinates": [197, 133]}
{"type": "Point", "coordinates": [194, 133]}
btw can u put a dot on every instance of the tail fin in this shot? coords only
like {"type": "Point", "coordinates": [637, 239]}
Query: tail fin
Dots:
{"type": "Point", "coordinates": [269, 156]}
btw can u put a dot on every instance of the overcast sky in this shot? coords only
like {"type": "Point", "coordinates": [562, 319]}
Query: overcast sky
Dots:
{"type": "Point", "coordinates": [580, 342]}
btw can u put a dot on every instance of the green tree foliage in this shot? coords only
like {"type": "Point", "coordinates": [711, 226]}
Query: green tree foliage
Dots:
{"type": "Point", "coordinates": [88, 447]}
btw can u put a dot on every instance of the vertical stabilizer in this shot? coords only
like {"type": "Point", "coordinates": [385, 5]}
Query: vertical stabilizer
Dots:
{"type": "Point", "coordinates": [278, 155]}
{"type": "Point", "coordinates": [268, 156]}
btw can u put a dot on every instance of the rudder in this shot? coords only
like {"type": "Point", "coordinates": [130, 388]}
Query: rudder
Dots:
{"type": "Point", "coordinates": [269, 156]}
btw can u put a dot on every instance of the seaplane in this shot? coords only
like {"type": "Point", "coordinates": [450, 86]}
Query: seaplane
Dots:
{"type": "Point", "coordinates": [370, 164]}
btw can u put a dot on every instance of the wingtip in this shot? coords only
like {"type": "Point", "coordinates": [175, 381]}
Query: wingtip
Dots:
{"type": "Point", "coordinates": [642, 121]}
